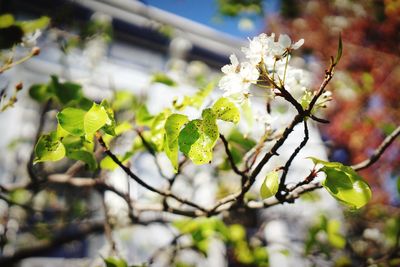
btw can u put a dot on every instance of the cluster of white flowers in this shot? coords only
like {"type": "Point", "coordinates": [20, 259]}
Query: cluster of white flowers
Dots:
{"type": "Point", "coordinates": [267, 66]}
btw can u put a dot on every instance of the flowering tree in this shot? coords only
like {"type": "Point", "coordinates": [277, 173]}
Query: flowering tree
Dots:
{"type": "Point", "coordinates": [83, 138]}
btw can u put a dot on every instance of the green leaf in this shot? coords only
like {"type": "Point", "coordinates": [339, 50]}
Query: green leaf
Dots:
{"type": "Point", "coordinates": [164, 79]}
{"type": "Point", "coordinates": [40, 92]}
{"type": "Point", "coordinates": [108, 163]}
{"type": "Point", "coordinates": [189, 135]}
{"type": "Point", "coordinates": [226, 110]}
{"type": "Point", "coordinates": [82, 103]}
{"type": "Point", "coordinates": [237, 232]}
{"type": "Point", "coordinates": [340, 50]}
{"type": "Point", "coordinates": [109, 127]}
{"type": "Point", "coordinates": [61, 133]}
{"type": "Point", "coordinates": [124, 100]}
{"type": "Point", "coordinates": [270, 185]}
{"type": "Point", "coordinates": [173, 127]}
{"type": "Point", "coordinates": [6, 21]}
{"type": "Point", "coordinates": [344, 184]}
{"type": "Point", "coordinates": [84, 156]}
{"type": "Point", "coordinates": [65, 92]}
{"type": "Point", "coordinates": [119, 129]}
{"type": "Point", "coordinates": [195, 100]}
{"type": "Point", "coordinates": [115, 262]}
{"type": "Point", "coordinates": [335, 238]}
{"type": "Point", "coordinates": [32, 25]}
{"type": "Point", "coordinates": [77, 148]}
{"type": "Point", "coordinates": [198, 99]}
{"type": "Point", "coordinates": [158, 129]}
{"type": "Point", "coordinates": [244, 142]}
{"type": "Point", "coordinates": [143, 116]}
{"type": "Point", "coordinates": [94, 119]}
{"type": "Point", "coordinates": [72, 120]}
{"type": "Point", "coordinates": [198, 138]}
{"type": "Point", "coordinates": [49, 148]}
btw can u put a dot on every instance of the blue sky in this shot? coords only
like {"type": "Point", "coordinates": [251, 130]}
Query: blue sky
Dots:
{"type": "Point", "coordinates": [205, 12]}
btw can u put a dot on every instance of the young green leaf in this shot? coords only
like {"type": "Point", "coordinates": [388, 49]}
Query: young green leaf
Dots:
{"type": "Point", "coordinates": [94, 119]}
{"type": "Point", "coordinates": [198, 99]}
{"type": "Point", "coordinates": [226, 110]}
{"type": "Point", "coordinates": [189, 135]}
{"type": "Point", "coordinates": [65, 92]}
{"type": "Point", "coordinates": [32, 25]}
{"type": "Point", "coordinates": [158, 130]}
{"type": "Point", "coordinates": [143, 116]}
{"type": "Point", "coordinates": [77, 149]}
{"type": "Point", "coordinates": [109, 127]}
{"type": "Point", "coordinates": [84, 156]}
{"type": "Point", "coordinates": [115, 262]}
{"type": "Point", "coordinates": [340, 50]}
{"type": "Point", "coordinates": [173, 126]}
{"type": "Point", "coordinates": [108, 163]}
{"type": "Point", "coordinates": [344, 184]}
{"type": "Point", "coordinates": [164, 79]}
{"type": "Point", "coordinates": [49, 148]}
{"type": "Point", "coordinates": [124, 100]}
{"type": "Point", "coordinates": [335, 238]}
{"type": "Point", "coordinates": [6, 20]}
{"type": "Point", "coordinates": [197, 139]}
{"type": "Point", "coordinates": [270, 185]}
{"type": "Point", "coordinates": [72, 120]}
{"type": "Point", "coordinates": [40, 92]}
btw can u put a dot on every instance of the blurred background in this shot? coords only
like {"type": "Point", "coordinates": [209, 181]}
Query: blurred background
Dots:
{"type": "Point", "coordinates": [109, 45]}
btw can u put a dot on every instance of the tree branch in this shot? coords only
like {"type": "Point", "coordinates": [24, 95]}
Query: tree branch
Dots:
{"type": "Point", "coordinates": [282, 186]}
{"type": "Point", "coordinates": [378, 152]}
{"type": "Point", "coordinates": [141, 182]}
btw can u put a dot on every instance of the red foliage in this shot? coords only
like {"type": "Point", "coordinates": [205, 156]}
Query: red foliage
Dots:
{"type": "Point", "coordinates": [367, 108]}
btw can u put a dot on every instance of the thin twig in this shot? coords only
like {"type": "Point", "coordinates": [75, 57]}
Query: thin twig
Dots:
{"type": "Point", "coordinates": [291, 197]}
{"type": "Point", "coordinates": [230, 157]}
{"type": "Point", "coordinates": [141, 182]}
{"type": "Point", "coordinates": [39, 130]}
{"type": "Point", "coordinates": [378, 152]}
{"type": "Point", "coordinates": [282, 186]}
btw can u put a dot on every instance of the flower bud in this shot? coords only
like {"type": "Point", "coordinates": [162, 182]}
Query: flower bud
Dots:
{"type": "Point", "coordinates": [35, 51]}
{"type": "Point", "coordinates": [19, 86]}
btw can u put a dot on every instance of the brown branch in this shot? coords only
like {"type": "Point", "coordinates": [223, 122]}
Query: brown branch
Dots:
{"type": "Point", "coordinates": [141, 182]}
{"type": "Point", "coordinates": [328, 76]}
{"type": "Point", "coordinates": [378, 152]}
{"type": "Point", "coordinates": [230, 158]}
{"type": "Point", "coordinates": [291, 197]}
{"type": "Point", "coordinates": [43, 246]}
{"type": "Point", "coordinates": [83, 229]}
{"type": "Point", "coordinates": [282, 186]}
{"type": "Point", "coordinates": [39, 129]}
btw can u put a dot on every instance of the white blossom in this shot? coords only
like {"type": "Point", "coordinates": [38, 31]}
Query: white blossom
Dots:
{"type": "Point", "coordinates": [29, 40]}
{"type": "Point", "coordinates": [264, 119]}
{"type": "Point", "coordinates": [233, 67]}
{"type": "Point", "coordinates": [260, 48]}
{"type": "Point", "coordinates": [238, 77]}
{"type": "Point", "coordinates": [263, 56]}
{"type": "Point", "coordinates": [285, 44]}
